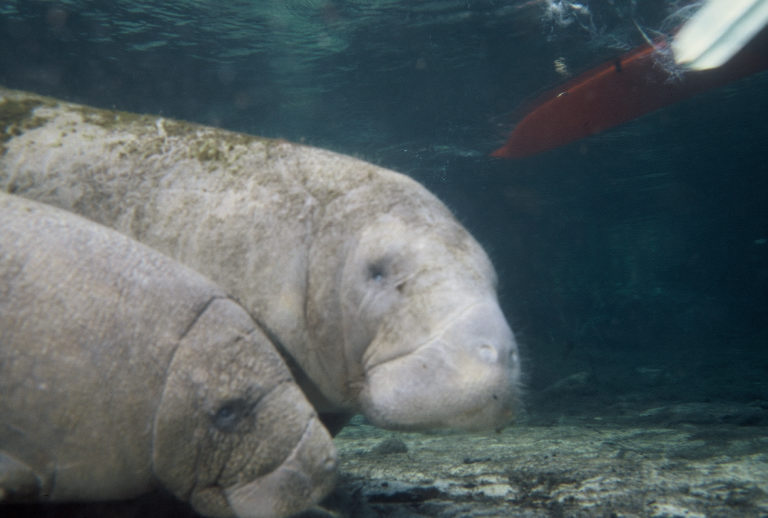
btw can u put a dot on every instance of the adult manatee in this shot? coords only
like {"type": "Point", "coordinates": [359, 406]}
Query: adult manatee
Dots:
{"type": "Point", "coordinates": [378, 298]}
{"type": "Point", "coordinates": [122, 370]}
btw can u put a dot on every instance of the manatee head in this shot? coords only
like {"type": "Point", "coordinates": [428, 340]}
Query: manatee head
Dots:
{"type": "Point", "coordinates": [234, 435]}
{"type": "Point", "coordinates": [410, 298]}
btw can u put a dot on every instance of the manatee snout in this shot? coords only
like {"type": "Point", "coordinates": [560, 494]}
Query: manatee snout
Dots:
{"type": "Point", "coordinates": [306, 475]}
{"type": "Point", "coordinates": [465, 376]}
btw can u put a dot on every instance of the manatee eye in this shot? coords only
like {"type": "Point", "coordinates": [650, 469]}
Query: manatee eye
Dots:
{"type": "Point", "coordinates": [377, 271]}
{"type": "Point", "coordinates": [229, 414]}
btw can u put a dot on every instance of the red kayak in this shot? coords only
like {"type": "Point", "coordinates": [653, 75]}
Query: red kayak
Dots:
{"type": "Point", "coordinates": [617, 92]}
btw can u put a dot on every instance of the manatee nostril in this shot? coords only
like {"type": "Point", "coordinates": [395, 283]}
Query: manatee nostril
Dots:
{"type": "Point", "coordinates": [488, 353]}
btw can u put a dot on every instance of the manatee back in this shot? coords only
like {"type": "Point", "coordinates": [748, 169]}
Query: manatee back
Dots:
{"type": "Point", "coordinates": [89, 320]}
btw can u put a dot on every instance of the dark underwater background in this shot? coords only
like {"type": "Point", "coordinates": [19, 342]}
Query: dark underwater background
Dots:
{"type": "Point", "coordinates": [634, 262]}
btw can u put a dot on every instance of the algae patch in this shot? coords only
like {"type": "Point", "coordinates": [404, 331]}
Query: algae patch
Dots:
{"type": "Point", "coordinates": [107, 119]}
{"type": "Point", "coordinates": [16, 117]}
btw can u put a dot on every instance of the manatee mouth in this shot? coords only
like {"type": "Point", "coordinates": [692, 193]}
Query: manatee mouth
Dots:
{"type": "Point", "coordinates": [418, 392]}
{"type": "Point", "coordinates": [304, 478]}
{"type": "Point", "coordinates": [465, 376]}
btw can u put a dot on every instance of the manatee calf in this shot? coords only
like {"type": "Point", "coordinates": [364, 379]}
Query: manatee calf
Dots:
{"type": "Point", "coordinates": [122, 370]}
{"type": "Point", "coordinates": [378, 298]}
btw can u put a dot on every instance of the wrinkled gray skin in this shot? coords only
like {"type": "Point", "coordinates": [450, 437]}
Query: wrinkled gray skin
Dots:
{"type": "Point", "coordinates": [381, 302]}
{"type": "Point", "coordinates": [122, 370]}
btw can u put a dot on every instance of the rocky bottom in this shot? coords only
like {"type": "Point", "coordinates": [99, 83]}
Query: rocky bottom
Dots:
{"type": "Point", "coordinates": [683, 460]}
